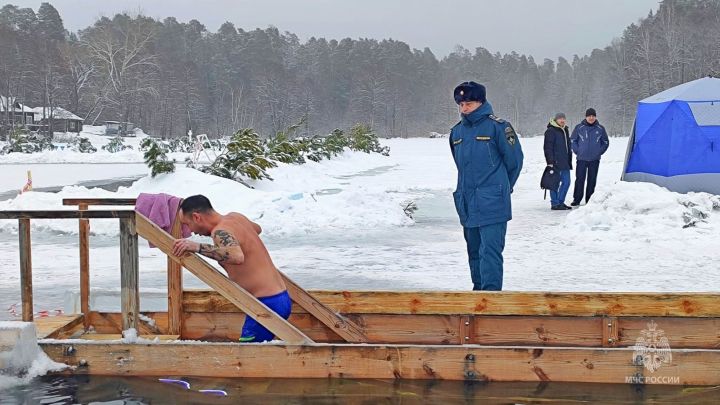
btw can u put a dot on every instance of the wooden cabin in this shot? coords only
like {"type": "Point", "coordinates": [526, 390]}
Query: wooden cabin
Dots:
{"type": "Point", "coordinates": [62, 119]}
{"type": "Point", "coordinates": [15, 114]}
{"type": "Point", "coordinates": [619, 338]}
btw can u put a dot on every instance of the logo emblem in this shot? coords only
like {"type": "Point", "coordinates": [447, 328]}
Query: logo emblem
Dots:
{"type": "Point", "coordinates": [652, 348]}
{"type": "Point", "coordinates": [462, 92]}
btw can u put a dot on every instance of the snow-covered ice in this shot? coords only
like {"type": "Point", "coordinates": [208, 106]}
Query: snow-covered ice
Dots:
{"type": "Point", "coordinates": [339, 224]}
{"type": "Point", "coordinates": [21, 359]}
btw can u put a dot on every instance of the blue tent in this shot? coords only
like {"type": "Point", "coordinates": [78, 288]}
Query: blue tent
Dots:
{"type": "Point", "coordinates": [676, 139]}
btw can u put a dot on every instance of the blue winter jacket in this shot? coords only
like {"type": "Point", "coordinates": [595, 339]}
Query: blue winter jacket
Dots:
{"type": "Point", "coordinates": [589, 142]}
{"type": "Point", "coordinates": [489, 158]}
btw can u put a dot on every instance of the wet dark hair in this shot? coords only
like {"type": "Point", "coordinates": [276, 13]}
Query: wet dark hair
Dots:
{"type": "Point", "coordinates": [196, 203]}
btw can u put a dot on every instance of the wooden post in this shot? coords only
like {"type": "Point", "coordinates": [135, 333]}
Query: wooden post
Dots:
{"type": "Point", "coordinates": [84, 232]}
{"type": "Point", "coordinates": [25, 270]}
{"type": "Point", "coordinates": [129, 274]}
{"type": "Point", "coordinates": [175, 287]}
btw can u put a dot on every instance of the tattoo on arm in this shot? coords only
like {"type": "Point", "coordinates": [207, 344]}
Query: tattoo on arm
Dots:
{"type": "Point", "coordinates": [214, 252]}
{"type": "Point", "coordinates": [219, 251]}
{"type": "Point", "coordinates": [225, 238]}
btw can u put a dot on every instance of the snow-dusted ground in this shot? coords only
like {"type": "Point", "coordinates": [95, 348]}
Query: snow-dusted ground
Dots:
{"type": "Point", "coordinates": [340, 225]}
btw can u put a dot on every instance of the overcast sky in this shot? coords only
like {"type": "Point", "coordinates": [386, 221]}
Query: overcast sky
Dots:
{"type": "Point", "coordinates": [542, 28]}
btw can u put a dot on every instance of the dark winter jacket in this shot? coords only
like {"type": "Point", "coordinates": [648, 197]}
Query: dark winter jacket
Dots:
{"type": "Point", "coordinates": [588, 141]}
{"type": "Point", "coordinates": [557, 146]}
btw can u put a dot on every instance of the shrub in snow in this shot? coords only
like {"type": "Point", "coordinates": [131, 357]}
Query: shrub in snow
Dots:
{"type": "Point", "coordinates": [363, 139]}
{"type": "Point", "coordinates": [22, 141]}
{"type": "Point", "coordinates": [116, 144]}
{"type": "Point", "coordinates": [80, 144]}
{"type": "Point", "coordinates": [156, 157]}
{"type": "Point", "coordinates": [244, 156]}
{"type": "Point", "coordinates": [283, 149]}
{"type": "Point", "coordinates": [182, 144]}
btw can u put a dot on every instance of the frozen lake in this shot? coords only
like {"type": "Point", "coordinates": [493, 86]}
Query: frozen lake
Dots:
{"type": "Point", "coordinates": [348, 230]}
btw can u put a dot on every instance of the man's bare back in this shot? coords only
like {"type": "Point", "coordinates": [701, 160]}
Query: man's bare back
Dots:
{"type": "Point", "coordinates": [257, 274]}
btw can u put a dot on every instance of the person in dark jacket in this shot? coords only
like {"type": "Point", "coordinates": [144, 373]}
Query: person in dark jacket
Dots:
{"type": "Point", "coordinates": [558, 155]}
{"type": "Point", "coordinates": [589, 141]}
{"type": "Point", "coordinates": [488, 157]}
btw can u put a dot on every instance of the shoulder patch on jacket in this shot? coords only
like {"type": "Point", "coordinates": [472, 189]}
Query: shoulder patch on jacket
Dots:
{"type": "Point", "coordinates": [457, 141]}
{"type": "Point", "coordinates": [496, 119]}
{"type": "Point", "coordinates": [510, 135]}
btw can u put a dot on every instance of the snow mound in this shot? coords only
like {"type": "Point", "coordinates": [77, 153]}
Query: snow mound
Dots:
{"type": "Point", "coordinates": [293, 206]}
{"type": "Point", "coordinates": [644, 210]}
{"type": "Point", "coordinates": [21, 359]}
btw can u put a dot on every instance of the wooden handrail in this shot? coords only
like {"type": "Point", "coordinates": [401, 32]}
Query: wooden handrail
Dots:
{"type": "Point", "coordinates": [250, 305]}
{"type": "Point", "coordinates": [128, 257]}
{"type": "Point", "coordinates": [66, 214]}
{"type": "Point", "coordinates": [344, 327]}
{"type": "Point", "coordinates": [99, 201]}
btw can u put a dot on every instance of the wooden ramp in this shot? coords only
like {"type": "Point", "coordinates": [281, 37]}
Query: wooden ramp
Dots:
{"type": "Point", "coordinates": [245, 301]}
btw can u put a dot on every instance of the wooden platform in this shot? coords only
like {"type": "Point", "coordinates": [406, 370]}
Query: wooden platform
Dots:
{"type": "Point", "coordinates": [52, 326]}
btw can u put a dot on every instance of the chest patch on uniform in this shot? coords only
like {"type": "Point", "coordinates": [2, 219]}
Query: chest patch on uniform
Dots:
{"type": "Point", "coordinates": [510, 135]}
{"type": "Point", "coordinates": [482, 138]}
{"type": "Point", "coordinates": [457, 141]}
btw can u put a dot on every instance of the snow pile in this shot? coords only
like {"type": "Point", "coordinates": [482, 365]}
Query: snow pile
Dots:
{"type": "Point", "coordinates": [21, 359]}
{"type": "Point", "coordinates": [631, 210]}
{"type": "Point", "coordinates": [297, 203]}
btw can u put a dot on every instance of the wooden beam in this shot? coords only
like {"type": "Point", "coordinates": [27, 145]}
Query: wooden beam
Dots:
{"type": "Point", "coordinates": [228, 289]}
{"type": "Point", "coordinates": [56, 327]}
{"type": "Point", "coordinates": [682, 333]}
{"type": "Point", "coordinates": [26, 291]}
{"type": "Point", "coordinates": [175, 285]}
{"type": "Point", "coordinates": [99, 201]}
{"type": "Point", "coordinates": [84, 243]}
{"type": "Point", "coordinates": [129, 274]}
{"type": "Point", "coordinates": [468, 363]}
{"type": "Point", "coordinates": [65, 214]}
{"type": "Point", "coordinates": [691, 305]}
{"type": "Point", "coordinates": [345, 328]}
{"type": "Point", "coordinates": [111, 323]}
{"type": "Point", "coordinates": [117, 336]}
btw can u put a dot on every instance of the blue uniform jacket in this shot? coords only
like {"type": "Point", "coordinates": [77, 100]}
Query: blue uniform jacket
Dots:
{"type": "Point", "coordinates": [489, 158]}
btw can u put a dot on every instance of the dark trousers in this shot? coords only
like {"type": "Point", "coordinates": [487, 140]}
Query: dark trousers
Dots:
{"type": "Point", "coordinates": [485, 247]}
{"type": "Point", "coordinates": [585, 169]}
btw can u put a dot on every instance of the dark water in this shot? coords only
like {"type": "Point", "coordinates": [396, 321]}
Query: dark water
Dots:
{"type": "Point", "coordinates": [129, 390]}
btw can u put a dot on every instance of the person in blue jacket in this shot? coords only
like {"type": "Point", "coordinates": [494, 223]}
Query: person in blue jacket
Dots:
{"type": "Point", "coordinates": [589, 141]}
{"type": "Point", "coordinates": [488, 158]}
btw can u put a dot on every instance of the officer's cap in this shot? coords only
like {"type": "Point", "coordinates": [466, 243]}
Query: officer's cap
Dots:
{"type": "Point", "coordinates": [469, 91]}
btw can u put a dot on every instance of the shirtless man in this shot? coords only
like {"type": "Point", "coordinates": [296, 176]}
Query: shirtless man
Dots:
{"type": "Point", "coordinates": [241, 253]}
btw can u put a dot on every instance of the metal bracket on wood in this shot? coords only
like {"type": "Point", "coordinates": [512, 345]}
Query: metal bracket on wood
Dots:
{"type": "Point", "coordinates": [610, 334]}
{"type": "Point", "coordinates": [467, 329]}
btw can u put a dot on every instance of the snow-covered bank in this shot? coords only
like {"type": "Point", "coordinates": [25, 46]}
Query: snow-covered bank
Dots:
{"type": "Point", "coordinates": [339, 224]}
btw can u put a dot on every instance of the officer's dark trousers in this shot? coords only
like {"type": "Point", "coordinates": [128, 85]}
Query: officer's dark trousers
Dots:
{"type": "Point", "coordinates": [585, 169]}
{"type": "Point", "coordinates": [485, 246]}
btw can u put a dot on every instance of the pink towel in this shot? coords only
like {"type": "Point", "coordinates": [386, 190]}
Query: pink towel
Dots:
{"type": "Point", "coordinates": [161, 210]}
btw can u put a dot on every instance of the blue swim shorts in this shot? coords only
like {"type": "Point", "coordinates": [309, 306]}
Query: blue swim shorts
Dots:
{"type": "Point", "coordinates": [252, 331]}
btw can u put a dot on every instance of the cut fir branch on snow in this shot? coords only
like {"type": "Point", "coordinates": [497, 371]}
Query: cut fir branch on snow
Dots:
{"type": "Point", "coordinates": [156, 158]}
{"type": "Point", "coordinates": [23, 141]}
{"type": "Point", "coordinates": [117, 144]}
{"type": "Point", "coordinates": [247, 156]}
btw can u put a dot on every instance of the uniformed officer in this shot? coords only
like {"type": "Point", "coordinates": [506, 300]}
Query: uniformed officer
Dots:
{"type": "Point", "coordinates": [488, 157]}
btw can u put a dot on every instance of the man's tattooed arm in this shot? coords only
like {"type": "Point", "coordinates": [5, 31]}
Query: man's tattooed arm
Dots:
{"type": "Point", "coordinates": [226, 250]}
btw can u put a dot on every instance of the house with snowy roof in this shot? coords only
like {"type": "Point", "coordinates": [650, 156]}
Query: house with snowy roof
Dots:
{"type": "Point", "coordinates": [62, 119]}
